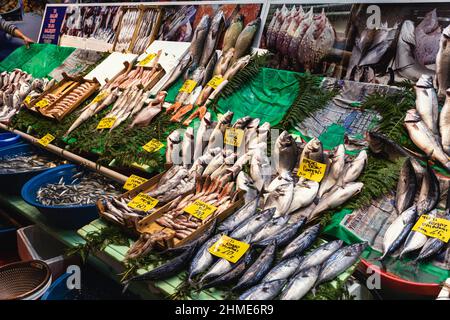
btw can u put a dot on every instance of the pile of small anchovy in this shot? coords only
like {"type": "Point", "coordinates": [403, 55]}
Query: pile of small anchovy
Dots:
{"type": "Point", "coordinates": [25, 162]}
{"type": "Point", "coordinates": [83, 188]}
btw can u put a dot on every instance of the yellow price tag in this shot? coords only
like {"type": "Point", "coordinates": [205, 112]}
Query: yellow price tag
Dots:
{"type": "Point", "coordinates": [106, 123]}
{"type": "Point", "coordinates": [133, 181]}
{"type": "Point", "coordinates": [215, 81]}
{"type": "Point", "coordinates": [43, 103]}
{"type": "Point", "coordinates": [147, 59]}
{"type": "Point", "coordinates": [311, 170]}
{"type": "Point", "coordinates": [229, 249]}
{"type": "Point", "coordinates": [102, 95]}
{"type": "Point", "coordinates": [200, 209]}
{"type": "Point", "coordinates": [153, 145]}
{"type": "Point", "coordinates": [45, 140]}
{"type": "Point", "coordinates": [188, 86]}
{"type": "Point", "coordinates": [143, 202]}
{"type": "Point", "coordinates": [433, 227]}
{"type": "Point", "coordinates": [234, 137]}
{"type": "Point", "coordinates": [27, 100]}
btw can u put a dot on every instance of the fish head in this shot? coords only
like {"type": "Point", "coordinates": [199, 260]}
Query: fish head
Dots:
{"type": "Point", "coordinates": [412, 116]}
{"type": "Point", "coordinates": [430, 22]}
{"type": "Point", "coordinates": [425, 81]}
{"type": "Point", "coordinates": [355, 187]}
{"type": "Point", "coordinates": [313, 229]}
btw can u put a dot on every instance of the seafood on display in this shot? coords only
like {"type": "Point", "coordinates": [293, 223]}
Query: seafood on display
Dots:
{"type": "Point", "coordinates": [82, 188]}
{"type": "Point", "coordinates": [127, 27]}
{"type": "Point", "coordinates": [25, 162]}
{"type": "Point", "coordinates": [15, 88]}
{"type": "Point", "coordinates": [146, 29]}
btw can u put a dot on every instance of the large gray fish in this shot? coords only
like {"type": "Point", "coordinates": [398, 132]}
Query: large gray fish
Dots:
{"type": "Point", "coordinates": [258, 269]}
{"type": "Point", "coordinates": [285, 235]}
{"type": "Point", "coordinates": [415, 239]}
{"type": "Point", "coordinates": [406, 187]}
{"type": "Point", "coordinates": [245, 39]}
{"type": "Point", "coordinates": [313, 150]}
{"type": "Point", "coordinates": [233, 32]}
{"type": "Point", "coordinates": [270, 228]}
{"type": "Point", "coordinates": [381, 42]}
{"type": "Point", "coordinates": [188, 147]}
{"type": "Point", "coordinates": [285, 153]}
{"type": "Point", "coordinates": [427, 103]}
{"type": "Point", "coordinates": [251, 135]}
{"type": "Point", "coordinates": [424, 139]}
{"type": "Point", "coordinates": [216, 138]}
{"type": "Point", "coordinates": [174, 150]}
{"type": "Point", "coordinates": [428, 33]}
{"type": "Point", "coordinates": [178, 71]}
{"type": "Point", "coordinates": [353, 169]}
{"type": "Point", "coordinates": [397, 232]}
{"type": "Point", "coordinates": [444, 124]}
{"type": "Point", "coordinates": [209, 70]}
{"type": "Point", "coordinates": [202, 135]}
{"type": "Point", "coordinates": [263, 291]}
{"type": "Point", "coordinates": [198, 41]}
{"type": "Point", "coordinates": [212, 39]}
{"type": "Point", "coordinates": [320, 254]}
{"type": "Point", "coordinates": [252, 224]}
{"type": "Point", "coordinates": [248, 210]}
{"type": "Point", "coordinates": [385, 147]}
{"type": "Point", "coordinates": [281, 198]}
{"type": "Point", "coordinates": [302, 242]}
{"type": "Point", "coordinates": [203, 259]}
{"type": "Point", "coordinates": [300, 284]}
{"type": "Point", "coordinates": [260, 169]}
{"type": "Point", "coordinates": [406, 64]}
{"type": "Point", "coordinates": [362, 44]}
{"type": "Point", "coordinates": [337, 163]}
{"type": "Point", "coordinates": [443, 63]}
{"type": "Point", "coordinates": [283, 270]}
{"type": "Point", "coordinates": [304, 193]}
{"type": "Point", "coordinates": [429, 192]}
{"type": "Point", "coordinates": [340, 261]}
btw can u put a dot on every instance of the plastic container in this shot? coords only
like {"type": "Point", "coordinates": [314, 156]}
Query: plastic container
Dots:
{"type": "Point", "coordinates": [69, 217]}
{"type": "Point", "coordinates": [12, 183]}
{"type": "Point", "coordinates": [58, 290]}
{"type": "Point", "coordinates": [9, 139]}
{"type": "Point", "coordinates": [35, 244]}
{"type": "Point", "coordinates": [8, 253]}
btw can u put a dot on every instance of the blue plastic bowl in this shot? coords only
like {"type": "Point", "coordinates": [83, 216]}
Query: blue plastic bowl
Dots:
{"type": "Point", "coordinates": [58, 290]}
{"type": "Point", "coordinates": [68, 217]}
{"type": "Point", "coordinates": [12, 183]}
{"type": "Point", "coordinates": [9, 139]}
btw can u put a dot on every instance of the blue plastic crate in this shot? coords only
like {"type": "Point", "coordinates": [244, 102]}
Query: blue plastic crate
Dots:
{"type": "Point", "coordinates": [9, 139]}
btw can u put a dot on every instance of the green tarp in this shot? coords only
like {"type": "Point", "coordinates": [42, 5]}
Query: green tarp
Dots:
{"type": "Point", "coordinates": [38, 60]}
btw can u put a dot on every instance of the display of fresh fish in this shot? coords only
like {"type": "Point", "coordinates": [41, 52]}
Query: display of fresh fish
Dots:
{"type": "Point", "coordinates": [258, 269]}
{"type": "Point", "coordinates": [313, 150]}
{"type": "Point", "coordinates": [444, 124]}
{"type": "Point", "coordinates": [430, 192]}
{"type": "Point", "coordinates": [146, 115]}
{"type": "Point", "coordinates": [285, 153]}
{"type": "Point", "coordinates": [415, 240]}
{"type": "Point", "coordinates": [203, 259]}
{"type": "Point", "coordinates": [213, 36]}
{"type": "Point", "coordinates": [224, 62]}
{"type": "Point", "coordinates": [236, 219]}
{"type": "Point", "coordinates": [233, 32]}
{"type": "Point", "coordinates": [245, 40]}
{"type": "Point", "coordinates": [353, 169]}
{"type": "Point", "coordinates": [245, 183]}
{"type": "Point", "coordinates": [443, 63]}
{"type": "Point", "coordinates": [284, 28]}
{"type": "Point", "coordinates": [173, 149]}
{"type": "Point", "coordinates": [300, 284]}
{"type": "Point", "coordinates": [285, 235]}
{"type": "Point", "coordinates": [381, 41]}
{"type": "Point", "coordinates": [297, 37]}
{"type": "Point", "coordinates": [320, 254]}
{"type": "Point", "coordinates": [216, 138]}
{"type": "Point", "coordinates": [25, 162]}
{"type": "Point", "coordinates": [292, 28]}
{"type": "Point", "coordinates": [427, 103]}
{"type": "Point", "coordinates": [397, 232]}
{"type": "Point", "coordinates": [234, 68]}
{"type": "Point", "coordinates": [427, 34]}
{"type": "Point", "coordinates": [336, 169]}
{"type": "Point", "coordinates": [198, 41]}
{"type": "Point", "coordinates": [304, 194]}
{"type": "Point", "coordinates": [188, 147]}
{"type": "Point", "coordinates": [270, 228]}
{"type": "Point", "coordinates": [281, 197]}
{"type": "Point", "coordinates": [424, 138]}
{"type": "Point", "coordinates": [184, 63]}
{"type": "Point", "coordinates": [302, 242]}
{"type": "Point", "coordinates": [283, 270]}
{"type": "Point", "coordinates": [260, 170]}
{"type": "Point", "coordinates": [252, 224]}
{"type": "Point", "coordinates": [263, 291]}
{"type": "Point", "coordinates": [340, 261]}
{"type": "Point", "coordinates": [406, 187]}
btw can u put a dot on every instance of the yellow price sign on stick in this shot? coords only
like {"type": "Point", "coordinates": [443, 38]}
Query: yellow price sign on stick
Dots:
{"type": "Point", "coordinates": [311, 170]}
{"type": "Point", "coordinates": [45, 140]}
{"type": "Point", "coordinates": [147, 59]}
{"type": "Point", "coordinates": [106, 123]}
{"type": "Point", "coordinates": [133, 181]}
{"type": "Point", "coordinates": [43, 103]}
{"type": "Point", "coordinates": [234, 137]}
{"type": "Point", "coordinates": [215, 81]}
{"type": "Point", "coordinates": [200, 209]}
{"type": "Point", "coordinates": [229, 249]}
{"type": "Point", "coordinates": [153, 145]}
{"type": "Point", "coordinates": [143, 202]}
{"type": "Point", "coordinates": [188, 86]}
{"type": "Point", "coordinates": [27, 100]}
{"type": "Point", "coordinates": [433, 227]}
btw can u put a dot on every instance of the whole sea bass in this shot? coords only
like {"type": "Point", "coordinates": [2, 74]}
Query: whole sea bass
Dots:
{"type": "Point", "coordinates": [427, 103]}
{"type": "Point", "coordinates": [212, 38]}
{"type": "Point", "coordinates": [443, 63]}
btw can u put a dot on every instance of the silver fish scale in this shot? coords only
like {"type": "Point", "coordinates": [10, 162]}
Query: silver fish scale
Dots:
{"type": "Point", "coordinates": [79, 190]}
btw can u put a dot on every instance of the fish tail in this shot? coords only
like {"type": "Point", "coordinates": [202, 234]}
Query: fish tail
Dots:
{"type": "Point", "coordinates": [125, 287]}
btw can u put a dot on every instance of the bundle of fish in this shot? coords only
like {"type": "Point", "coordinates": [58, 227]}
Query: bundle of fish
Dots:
{"type": "Point", "coordinates": [427, 128]}
{"type": "Point", "coordinates": [15, 86]}
{"type": "Point", "coordinates": [201, 63]}
{"type": "Point", "coordinates": [177, 24]}
{"type": "Point", "coordinates": [118, 211]}
{"type": "Point", "coordinates": [148, 22]}
{"type": "Point", "coordinates": [300, 40]}
{"type": "Point", "coordinates": [126, 32]}
{"type": "Point", "coordinates": [25, 162]}
{"type": "Point", "coordinates": [399, 239]}
{"type": "Point", "coordinates": [82, 188]}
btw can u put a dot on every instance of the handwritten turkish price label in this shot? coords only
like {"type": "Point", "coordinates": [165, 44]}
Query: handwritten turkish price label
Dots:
{"type": "Point", "coordinates": [147, 59]}
{"type": "Point", "coordinates": [102, 95]}
{"type": "Point", "coordinates": [433, 227]}
{"type": "Point", "coordinates": [106, 123]}
{"type": "Point", "coordinates": [133, 181]}
{"type": "Point", "coordinates": [43, 103]}
{"type": "Point", "coordinates": [143, 202]}
{"type": "Point", "coordinates": [45, 140]}
{"type": "Point", "coordinates": [153, 145]}
{"type": "Point", "coordinates": [27, 100]}
{"type": "Point", "coordinates": [200, 209]}
{"type": "Point", "coordinates": [234, 137]}
{"type": "Point", "coordinates": [215, 81]}
{"type": "Point", "coordinates": [312, 170]}
{"type": "Point", "coordinates": [229, 249]}
{"type": "Point", "coordinates": [188, 86]}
